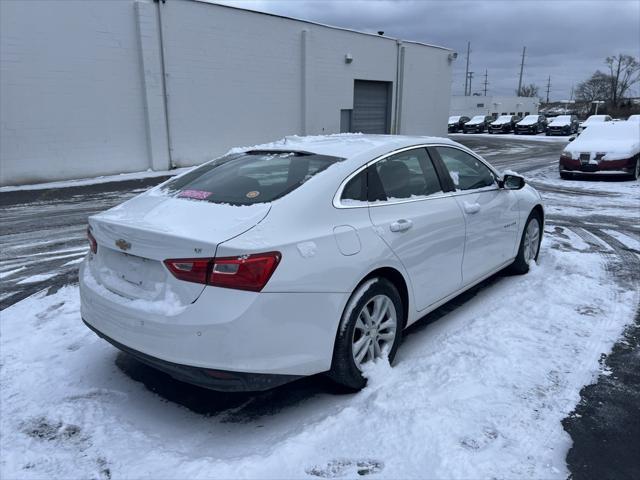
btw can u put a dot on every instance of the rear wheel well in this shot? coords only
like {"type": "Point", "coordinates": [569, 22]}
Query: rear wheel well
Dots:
{"type": "Point", "coordinates": [396, 278]}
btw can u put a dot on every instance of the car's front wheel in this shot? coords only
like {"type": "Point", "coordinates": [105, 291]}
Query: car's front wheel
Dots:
{"type": "Point", "coordinates": [529, 244]}
{"type": "Point", "coordinates": [371, 327]}
{"type": "Point", "coordinates": [636, 171]}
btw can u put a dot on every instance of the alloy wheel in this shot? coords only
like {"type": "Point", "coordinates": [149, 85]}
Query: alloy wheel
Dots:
{"type": "Point", "coordinates": [531, 241]}
{"type": "Point", "coordinates": [375, 330]}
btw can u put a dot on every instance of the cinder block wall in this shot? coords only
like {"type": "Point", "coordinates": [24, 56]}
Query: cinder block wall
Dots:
{"type": "Point", "coordinates": [102, 87]}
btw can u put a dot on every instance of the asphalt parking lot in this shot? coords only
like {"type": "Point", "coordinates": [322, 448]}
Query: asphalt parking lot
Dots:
{"type": "Point", "coordinates": [43, 241]}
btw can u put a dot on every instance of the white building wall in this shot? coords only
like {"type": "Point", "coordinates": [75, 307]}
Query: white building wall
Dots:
{"type": "Point", "coordinates": [489, 105]}
{"type": "Point", "coordinates": [71, 93]}
{"type": "Point", "coordinates": [102, 87]}
{"type": "Point", "coordinates": [426, 89]}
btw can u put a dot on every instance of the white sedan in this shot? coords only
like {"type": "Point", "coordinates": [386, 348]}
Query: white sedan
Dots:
{"type": "Point", "coordinates": [307, 255]}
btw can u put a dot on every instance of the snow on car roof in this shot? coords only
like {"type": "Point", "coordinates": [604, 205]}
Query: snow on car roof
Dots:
{"type": "Point", "coordinates": [529, 119]}
{"type": "Point", "coordinates": [595, 119]}
{"type": "Point", "coordinates": [454, 118]}
{"type": "Point", "coordinates": [622, 138]}
{"type": "Point", "coordinates": [503, 118]}
{"type": "Point", "coordinates": [345, 145]}
{"type": "Point", "coordinates": [561, 119]}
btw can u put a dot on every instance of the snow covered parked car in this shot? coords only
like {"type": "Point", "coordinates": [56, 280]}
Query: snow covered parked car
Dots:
{"type": "Point", "coordinates": [593, 120]}
{"type": "Point", "coordinates": [456, 122]}
{"type": "Point", "coordinates": [531, 124]}
{"type": "Point", "coordinates": [563, 125]}
{"type": "Point", "coordinates": [477, 124]}
{"type": "Point", "coordinates": [503, 124]}
{"type": "Point", "coordinates": [302, 256]}
{"type": "Point", "coordinates": [607, 148]}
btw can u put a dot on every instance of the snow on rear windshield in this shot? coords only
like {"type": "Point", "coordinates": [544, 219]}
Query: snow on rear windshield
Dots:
{"type": "Point", "coordinates": [250, 177]}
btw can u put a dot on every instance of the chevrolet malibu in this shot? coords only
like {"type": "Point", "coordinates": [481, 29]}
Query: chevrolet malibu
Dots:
{"type": "Point", "coordinates": [304, 256]}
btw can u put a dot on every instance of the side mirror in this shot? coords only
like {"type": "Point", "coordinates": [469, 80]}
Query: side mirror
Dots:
{"type": "Point", "coordinates": [572, 138]}
{"type": "Point", "coordinates": [511, 182]}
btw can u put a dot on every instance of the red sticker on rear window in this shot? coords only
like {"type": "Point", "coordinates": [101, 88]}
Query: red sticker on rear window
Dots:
{"type": "Point", "coordinates": [199, 194]}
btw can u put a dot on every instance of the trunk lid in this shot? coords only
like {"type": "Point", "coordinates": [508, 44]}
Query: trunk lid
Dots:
{"type": "Point", "coordinates": [136, 237]}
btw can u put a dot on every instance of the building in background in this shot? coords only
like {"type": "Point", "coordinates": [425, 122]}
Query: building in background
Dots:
{"type": "Point", "coordinates": [103, 87]}
{"type": "Point", "coordinates": [493, 105]}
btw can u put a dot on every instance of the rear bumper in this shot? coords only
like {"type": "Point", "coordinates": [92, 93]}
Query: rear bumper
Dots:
{"type": "Point", "coordinates": [219, 380]}
{"type": "Point", "coordinates": [228, 330]}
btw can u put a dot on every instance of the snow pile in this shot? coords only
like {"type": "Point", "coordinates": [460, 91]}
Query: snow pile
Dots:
{"type": "Point", "coordinates": [477, 393]}
{"type": "Point", "coordinates": [619, 140]}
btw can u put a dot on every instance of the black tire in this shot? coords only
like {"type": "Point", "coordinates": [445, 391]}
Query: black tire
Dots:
{"type": "Point", "coordinates": [343, 367]}
{"type": "Point", "coordinates": [548, 134]}
{"type": "Point", "coordinates": [565, 176]}
{"type": "Point", "coordinates": [636, 173]}
{"type": "Point", "coordinates": [520, 266]}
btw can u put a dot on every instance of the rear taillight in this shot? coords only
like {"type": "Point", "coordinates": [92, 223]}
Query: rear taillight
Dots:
{"type": "Point", "coordinates": [248, 272]}
{"type": "Point", "coordinates": [93, 245]}
{"type": "Point", "coordinates": [190, 269]}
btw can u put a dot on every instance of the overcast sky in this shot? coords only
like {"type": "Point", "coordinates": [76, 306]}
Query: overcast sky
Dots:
{"type": "Point", "coordinates": [566, 39]}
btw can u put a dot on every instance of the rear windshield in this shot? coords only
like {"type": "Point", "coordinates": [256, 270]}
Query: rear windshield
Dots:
{"type": "Point", "coordinates": [250, 177]}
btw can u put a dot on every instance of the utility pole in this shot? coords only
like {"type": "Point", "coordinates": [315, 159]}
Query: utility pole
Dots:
{"type": "Point", "coordinates": [524, 49]}
{"type": "Point", "coordinates": [470, 79]}
{"type": "Point", "coordinates": [466, 72]}
{"type": "Point", "coordinates": [486, 82]}
{"type": "Point", "coordinates": [548, 88]}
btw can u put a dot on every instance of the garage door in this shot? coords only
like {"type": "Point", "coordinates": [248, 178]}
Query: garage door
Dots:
{"type": "Point", "coordinates": [371, 107]}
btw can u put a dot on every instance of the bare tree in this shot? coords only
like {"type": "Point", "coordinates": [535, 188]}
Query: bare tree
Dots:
{"type": "Point", "coordinates": [598, 87]}
{"type": "Point", "coordinates": [530, 90]}
{"type": "Point", "coordinates": [624, 72]}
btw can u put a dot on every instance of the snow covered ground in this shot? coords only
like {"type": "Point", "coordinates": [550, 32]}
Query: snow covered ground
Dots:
{"type": "Point", "coordinates": [478, 390]}
{"type": "Point", "coordinates": [479, 393]}
{"type": "Point", "coordinates": [96, 180]}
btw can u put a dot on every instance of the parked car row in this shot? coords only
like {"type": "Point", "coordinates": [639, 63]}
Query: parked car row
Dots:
{"type": "Point", "coordinates": [529, 125]}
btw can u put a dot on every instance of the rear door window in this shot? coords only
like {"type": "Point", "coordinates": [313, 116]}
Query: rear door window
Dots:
{"type": "Point", "coordinates": [407, 174]}
{"type": "Point", "coordinates": [250, 177]}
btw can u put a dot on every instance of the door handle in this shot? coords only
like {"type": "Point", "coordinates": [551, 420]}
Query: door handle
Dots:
{"type": "Point", "coordinates": [401, 225]}
{"type": "Point", "coordinates": [471, 207]}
